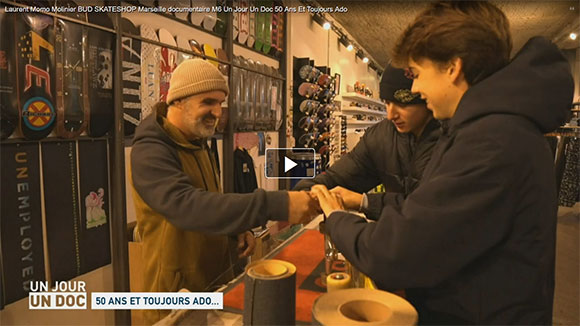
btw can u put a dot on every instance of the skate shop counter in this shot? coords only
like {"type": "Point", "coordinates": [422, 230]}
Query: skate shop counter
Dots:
{"type": "Point", "coordinates": [304, 249]}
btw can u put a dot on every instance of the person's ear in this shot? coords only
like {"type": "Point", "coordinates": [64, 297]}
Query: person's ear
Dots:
{"type": "Point", "coordinates": [455, 70]}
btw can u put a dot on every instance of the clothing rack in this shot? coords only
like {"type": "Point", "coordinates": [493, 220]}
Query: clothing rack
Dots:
{"type": "Point", "coordinates": [566, 168]}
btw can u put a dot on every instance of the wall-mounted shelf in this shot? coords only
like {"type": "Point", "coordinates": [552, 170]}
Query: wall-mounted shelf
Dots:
{"type": "Point", "coordinates": [360, 123]}
{"type": "Point", "coordinates": [362, 99]}
{"type": "Point", "coordinates": [358, 110]}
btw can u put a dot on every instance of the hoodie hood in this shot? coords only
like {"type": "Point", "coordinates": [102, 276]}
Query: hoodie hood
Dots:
{"type": "Point", "coordinates": [156, 128]}
{"type": "Point", "coordinates": [537, 85]}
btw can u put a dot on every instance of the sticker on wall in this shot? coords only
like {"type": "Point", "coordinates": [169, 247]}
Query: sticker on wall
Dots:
{"type": "Point", "coordinates": [94, 202]}
{"type": "Point", "coordinates": [94, 233]}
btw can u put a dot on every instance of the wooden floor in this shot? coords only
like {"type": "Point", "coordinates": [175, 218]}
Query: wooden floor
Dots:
{"type": "Point", "coordinates": [566, 298]}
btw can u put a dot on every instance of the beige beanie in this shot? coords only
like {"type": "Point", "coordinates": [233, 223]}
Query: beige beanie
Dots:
{"type": "Point", "coordinates": [195, 76]}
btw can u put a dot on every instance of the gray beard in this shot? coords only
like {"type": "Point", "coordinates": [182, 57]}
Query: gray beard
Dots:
{"type": "Point", "coordinates": [199, 129]}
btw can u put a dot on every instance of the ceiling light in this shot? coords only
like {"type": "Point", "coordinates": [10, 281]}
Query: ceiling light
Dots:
{"type": "Point", "coordinates": [317, 18]}
{"type": "Point", "coordinates": [326, 25]}
{"type": "Point", "coordinates": [360, 54]}
{"type": "Point", "coordinates": [573, 36]}
{"type": "Point", "coordinates": [365, 59]}
{"type": "Point", "coordinates": [344, 40]}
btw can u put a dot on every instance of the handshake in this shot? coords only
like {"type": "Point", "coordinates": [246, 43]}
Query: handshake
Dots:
{"type": "Point", "coordinates": [303, 206]}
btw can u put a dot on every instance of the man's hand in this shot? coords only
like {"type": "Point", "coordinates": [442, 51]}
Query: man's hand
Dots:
{"type": "Point", "coordinates": [352, 200]}
{"type": "Point", "coordinates": [329, 202]}
{"type": "Point", "coordinates": [246, 244]}
{"type": "Point", "coordinates": [302, 208]}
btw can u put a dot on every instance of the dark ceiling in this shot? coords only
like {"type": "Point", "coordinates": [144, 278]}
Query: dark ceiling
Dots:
{"type": "Point", "coordinates": [375, 25]}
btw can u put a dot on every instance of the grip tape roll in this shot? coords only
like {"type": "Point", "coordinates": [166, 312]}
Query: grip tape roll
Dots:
{"type": "Point", "coordinates": [270, 293]}
{"type": "Point", "coordinates": [351, 307]}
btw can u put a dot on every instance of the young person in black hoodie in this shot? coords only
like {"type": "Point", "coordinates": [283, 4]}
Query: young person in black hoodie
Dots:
{"type": "Point", "coordinates": [475, 242]}
{"type": "Point", "coordinates": [393, 152]}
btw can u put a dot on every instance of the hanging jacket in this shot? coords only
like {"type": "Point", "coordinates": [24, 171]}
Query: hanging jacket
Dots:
{"type": "Point", "coordinates": [244, 172]}
{"type": "Point", "coordinates": [182, 217]}
{"type": "Point", "coordinates": [383, 155]}
{"type": "Point", "coordinates": [475, 242]}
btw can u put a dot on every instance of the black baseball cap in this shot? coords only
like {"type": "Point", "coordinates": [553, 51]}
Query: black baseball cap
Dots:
{"type": "Point", "coordinates": [395, 86]}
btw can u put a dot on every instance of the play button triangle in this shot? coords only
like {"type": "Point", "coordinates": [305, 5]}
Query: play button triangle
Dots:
{"type": "Point", "coordinates": [288, 164]}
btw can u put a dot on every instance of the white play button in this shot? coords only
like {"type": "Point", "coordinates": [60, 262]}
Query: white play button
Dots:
{"type": "Point", "coordinates": [288, 164]}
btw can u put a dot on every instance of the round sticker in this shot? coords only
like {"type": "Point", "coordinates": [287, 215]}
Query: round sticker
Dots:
{"type": "Point", "coordinates": [38, 113]}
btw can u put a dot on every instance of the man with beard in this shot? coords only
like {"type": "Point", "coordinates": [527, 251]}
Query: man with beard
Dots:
{"type": "Point", "coordinates": [183, 218]}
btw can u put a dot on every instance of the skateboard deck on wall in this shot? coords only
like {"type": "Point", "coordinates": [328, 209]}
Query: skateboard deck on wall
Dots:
{"type": "Point", "coordinates": [94, 236]}
{"type": "Point", "coordinates": [131, 56]}
{"type": "Point", "coordinates": [280, 36]}
{"type": "Point", "coordinates": [267, 32]}
{"type": "Point", "coordinates": [222, 18]}
{"type": "Point", "coordinates": [259, 37]}
{"type": "Point", "coordinates": [8, 95]}
{"type": "Point", "coordinates": [209, 52]}
{"type": "Point", "coordinates": [274, 35]}
{"type": "Point", "coordinates": [71, 77]}
{"type": "Point", "coordinates": [210, 18]}
{"type": "Point", "coordinates": [100, 57]}
{"type": "Point", "coordinates": [222, 55]}
{"type": "Point", "coordinates": [252, 26]}
{"type": "Point", "coordinates": [195, 47]}
{"type": "Point", "coordinates": [62, 208]}
{"type": "Point", "coordinates": [236, 20]}
{"type": "Point", "coordinates": [151, 55]}
{"type": "Point", "coordinates": [252, 88]}
{"type": "Point", "coordinates": [167, 64]}
{"type": "Point", "coordinates": [244, 23]}
{"type": "Point", "coordinates": [196, 18]}
{"type": "Point", "coordinates": [183, 15]}
{"type": "Point", "coordinates": [35, 37]}
{"type": "Point", "coordinates": [183, 43]}
{"type": "Point", "coordinates": [309, 90]}
{"type": "Point", "coordinates": [21, 239]}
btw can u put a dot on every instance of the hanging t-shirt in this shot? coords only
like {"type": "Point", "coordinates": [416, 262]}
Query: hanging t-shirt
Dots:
{"type": "Point", "coordinates": [244, 174]}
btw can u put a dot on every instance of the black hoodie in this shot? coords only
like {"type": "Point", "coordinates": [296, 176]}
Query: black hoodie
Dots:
{"type": "Point", "coordinates": [475, 242]}
{"type": "Point", "coordinates": [383, 155]}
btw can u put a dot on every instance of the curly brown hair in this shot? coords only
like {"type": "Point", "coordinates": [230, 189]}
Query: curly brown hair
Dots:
{"type": "Point", "coordinates": [475, 31]}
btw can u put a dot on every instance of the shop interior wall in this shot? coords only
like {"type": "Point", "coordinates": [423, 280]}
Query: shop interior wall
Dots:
{"type": "Point", "coordinates": [309, 39]}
